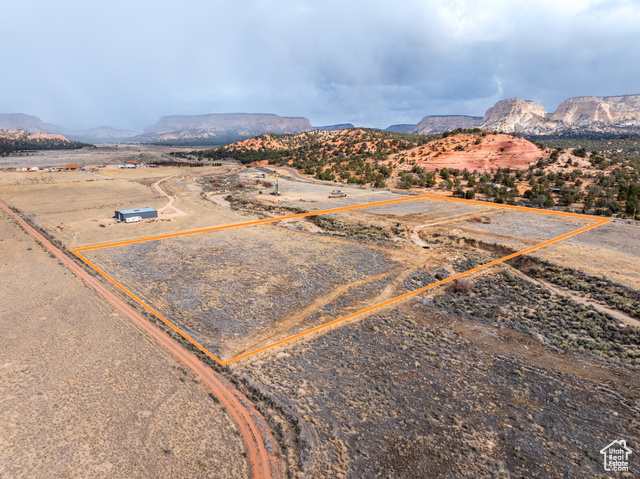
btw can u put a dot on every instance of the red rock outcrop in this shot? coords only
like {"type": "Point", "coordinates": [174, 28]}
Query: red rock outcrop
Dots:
{"type": "Point", "coordinates": [493, 152]}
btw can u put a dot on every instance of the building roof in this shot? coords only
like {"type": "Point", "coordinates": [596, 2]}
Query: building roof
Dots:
{"type": "Point", "coordinates": [137, 210]}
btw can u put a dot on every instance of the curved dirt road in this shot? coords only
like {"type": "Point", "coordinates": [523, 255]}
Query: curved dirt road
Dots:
{"type": "Point", "coordinates": [253, 427]}
{"type": "Point", "coordinates": [170, 198]}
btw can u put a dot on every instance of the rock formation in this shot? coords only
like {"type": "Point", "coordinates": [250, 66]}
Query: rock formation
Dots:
{"type": "Point", "coordinates": [220, 128]}
{"type": "Point", "coordinates": [516, 116]}
{"type": "Point", "coordinates": [441, 123]}
{"type": "Point", "coordinates": [575, 116]}
{"type": "Point", "coordinates": [23, 135]}
{"type": "Point", "coordinates": [600, 112]}
{"type": "Point", "coordinates": [17, 140]}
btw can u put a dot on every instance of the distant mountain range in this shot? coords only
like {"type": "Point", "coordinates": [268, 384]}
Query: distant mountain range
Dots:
{"type": "Point", "coordinates": [441, 123]}
{"type": "Point", "coordinates": [341, 126]}
{"type": "Point", "coordinates": [219, 128]}
{"type": "Point", "coordinates": [580, 116]}
{"type": "Point", "coordinates": [403, 128]}
{"type": "Point", "coordinates": [33, 124]}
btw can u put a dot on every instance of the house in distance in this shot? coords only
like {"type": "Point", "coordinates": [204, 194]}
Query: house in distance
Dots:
{"type": "Point", "coordinates": [131, 216]}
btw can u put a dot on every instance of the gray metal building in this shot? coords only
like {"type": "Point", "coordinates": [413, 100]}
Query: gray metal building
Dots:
{"type": "Point", "coordinates": [130, 216]}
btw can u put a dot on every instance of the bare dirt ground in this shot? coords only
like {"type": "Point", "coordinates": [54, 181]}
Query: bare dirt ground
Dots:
{"type": "Point", "coordinates": [81, 213]}
{"type": "Point", "coordinates": [610, 251]}
{"type": "Point", "coordinates": [239, 288]}
{"type": "Point", "coordinates": [497, 377]}
{"type": "Point", "coordinates": [84, 394]}
{"type": "Point", "coordinates": [102, 154]}
{"type": "Point", "coordinates": [413, 392]}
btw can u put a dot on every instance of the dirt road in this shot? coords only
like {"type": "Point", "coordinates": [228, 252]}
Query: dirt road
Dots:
{"type": "Point", "coordinates": [252, 425]}
{"type": "Point", "coordinates": [168, 210]}
{"type": "Point", "coordinates": [560, 291]}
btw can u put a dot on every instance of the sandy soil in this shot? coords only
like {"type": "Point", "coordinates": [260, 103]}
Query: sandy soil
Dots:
{"type": "Point", "coordinates": [610, 251]}
{"type": "Point", "coordinates": [494, 151]}
{"type": "Point", "coordinates": [80, 213]}
{"type": "Point", "coordinates": [103, 154]}
{"type": "Point", "coordinates": [84, 394]}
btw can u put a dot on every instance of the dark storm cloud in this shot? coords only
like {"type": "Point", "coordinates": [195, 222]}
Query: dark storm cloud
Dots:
{"type": "Point", "coordinates": [371, 63]}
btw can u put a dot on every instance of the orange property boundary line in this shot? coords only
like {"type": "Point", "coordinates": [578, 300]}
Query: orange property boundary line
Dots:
{"type": "Point", "coordinates": [78, 251]}
{"type": "Point", "coordinates": [333, 210]}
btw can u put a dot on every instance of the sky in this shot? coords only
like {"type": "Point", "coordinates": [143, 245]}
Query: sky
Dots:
{"type": "Point", "coordinates": [87, 63]}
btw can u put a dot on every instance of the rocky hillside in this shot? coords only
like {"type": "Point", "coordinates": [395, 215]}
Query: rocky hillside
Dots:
{"type": "Point", "coordinates": [365, 156]}
{"type": "Point", "coordinates": [220, 128]}
{"type": "Point", "coordinates": [574, 117]}
{"type": "Point", "coordinates": [21, 135]}
{"type": "Point", "coordinates": [517, 116]}
{"type": "Point", "coordinates": [599, 177]}
{"type": "Point", "coordinates": [20, 140]}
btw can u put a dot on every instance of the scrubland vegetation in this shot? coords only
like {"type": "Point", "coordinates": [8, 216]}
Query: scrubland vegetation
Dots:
{"type": "Point", "coordinates": [600, 177]}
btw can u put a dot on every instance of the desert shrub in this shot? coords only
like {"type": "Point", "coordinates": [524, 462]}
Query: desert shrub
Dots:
{"type": "Point", "coordinates": [463, 285]}
{"type": "Point", "coordinates": [580, 152]}
{"type": "Point", "coordinates": [560, 321]}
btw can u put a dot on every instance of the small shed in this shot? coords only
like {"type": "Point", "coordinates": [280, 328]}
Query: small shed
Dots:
{"type": "Point", "coordinates": [130, 216]}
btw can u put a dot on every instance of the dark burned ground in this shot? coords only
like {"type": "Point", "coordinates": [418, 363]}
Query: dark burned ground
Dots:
{"type": "Point", "coordinates": [418, 392]}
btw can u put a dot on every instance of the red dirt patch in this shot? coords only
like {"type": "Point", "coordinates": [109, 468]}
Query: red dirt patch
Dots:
{"type": "Point", "coordinates": [462, 151]}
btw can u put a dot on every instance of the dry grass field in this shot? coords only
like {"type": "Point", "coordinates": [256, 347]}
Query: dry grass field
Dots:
{"type": "Point", "coordinates": [84, 394]}
{"type": "Point", "coordinates": [526, 369]}
{"type": "Point", "coordinates": [102, 154]}
{"type": "Point", "coordinates": [230, 288]}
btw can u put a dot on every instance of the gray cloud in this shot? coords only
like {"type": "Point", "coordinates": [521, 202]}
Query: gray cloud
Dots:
{"type": "Point", "coordinates": [372, 63]}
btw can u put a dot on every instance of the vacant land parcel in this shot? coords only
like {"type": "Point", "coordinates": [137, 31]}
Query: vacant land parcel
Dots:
{"type": "Point", "coordinates": [236, 291]}
{"type": "Point", "coordinates": [500, 376]}
{"type": "Point", "coordinates": [226, 287]}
